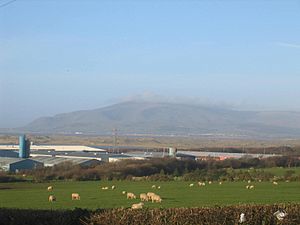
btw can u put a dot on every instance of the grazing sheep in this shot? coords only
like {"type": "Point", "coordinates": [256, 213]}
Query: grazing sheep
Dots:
{"type": "Point", "coordinates": [156, 198]}
{"type": "Point", "coordinates": [144, 197]}
{"type": "Point", "coordinates": [51, 198]}
{"type": "Point", "coordinates": [113, 187]}
{"type": "Point", "coordinates": [275, 183]}
{"type": "Point", "coordinates": [123, 192]}
{"type": "Point", "coordinates": [201, 183]}
{"type": "Point", "coordinates": [249, 181]}
{"type": "Point", "coordinates": [158, 187]}
{"type": "Point", "coordinates": [131, 195]}
{"type": "Point", "coordinates": [209, 182]}
{"type": "Point", "coordinates": [191, 185]}
{"type": "Point", "coordinates": [50, 188]}
{"type": "Point", "coordinates": [137, 205]}
{"type": "Point", "coordinates": [248, 186]}
{"type": "Point", "coordinates": [75, 196]}
{"type": "Point", "coordinates": [220, 182]}
{"type": "Point", "coordinates": [251, 187]}
{"type": "Point", "coordinates": [153, 186]}
{"type": "Point", "coordinates": [104, 188]}
{"type": "Point", "coordinates": [150, 194]}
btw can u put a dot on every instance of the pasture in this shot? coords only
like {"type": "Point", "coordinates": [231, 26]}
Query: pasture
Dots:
{"type": "Point", "coordinates": [173, 193]}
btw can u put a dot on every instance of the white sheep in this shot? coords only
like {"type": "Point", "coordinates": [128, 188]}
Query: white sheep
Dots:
{"type": "Point", "coordinates": [50, 188]}
{"type": "Point", "coordinates": [191, 185]}
{"type": "Point", "coordinates": [51, 198]}
{"type": "Point", "coordinates": [144, 197]}
{"type": "Point", "coordinates": [131, 195]}
{"type": "Point", "coordinates": [149, 195]}
{"type": "Point", "coordinates": [156, 198]}
{"type": "Point", "coordinates": [137, 205]}
{"type": "Point", "coordinates": [75, 196]}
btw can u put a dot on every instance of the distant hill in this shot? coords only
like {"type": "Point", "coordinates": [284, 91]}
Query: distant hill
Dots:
{"type": "Point", "coordinates": [170, 119]}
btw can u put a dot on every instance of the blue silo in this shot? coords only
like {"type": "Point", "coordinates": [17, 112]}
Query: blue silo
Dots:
{"type": "Point", "coordinates": [24, 147]}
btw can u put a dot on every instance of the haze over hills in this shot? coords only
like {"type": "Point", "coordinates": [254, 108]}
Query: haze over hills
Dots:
{"type": "Point", "coordinates": [169, 119]}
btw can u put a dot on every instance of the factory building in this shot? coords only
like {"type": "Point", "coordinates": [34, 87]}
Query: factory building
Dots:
{"type": "Point", "coordinates": [18, 164]}
{"type": "Point", "coordinates": [52, 161]}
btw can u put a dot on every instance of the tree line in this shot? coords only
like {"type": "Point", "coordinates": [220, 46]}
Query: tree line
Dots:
{"type": "Point", "coordinates": [170, 169]}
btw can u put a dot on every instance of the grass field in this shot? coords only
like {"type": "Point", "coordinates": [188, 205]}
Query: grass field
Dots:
{"type": "Point", "coordinates": [277, 171]}
{"type": "Point", "coordinates": [174, 194]}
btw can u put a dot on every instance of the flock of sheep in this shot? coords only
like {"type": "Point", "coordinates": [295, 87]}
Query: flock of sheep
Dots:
{"type": "Point", "coordinates": [52, 198]}
{"type": "Point", "coordinates": [144, 197]}
{"type": "Point", "coordinates": [220, 183]}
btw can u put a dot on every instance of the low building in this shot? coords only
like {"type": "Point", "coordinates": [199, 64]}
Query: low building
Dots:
{"type": "Point", "coordinates": [52, 161]}
{"type": "Point", "coordinates": [18, 164]}
{"type": "Point", "coordinates": [199, 155]}
{"type": "Point", "coordinates": [72, 148]}
{"type": "Point", "coordinates": [119, 157]}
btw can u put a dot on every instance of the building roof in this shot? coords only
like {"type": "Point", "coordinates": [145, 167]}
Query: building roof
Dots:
{"type": "Point", "coordinates": [56, 160]}
{"type": "Point", "coordinates": [68, 153]}
{"type": "Point", "coordinates": [144, 154]}
{"type": "Point", "coordinates": [56, 147]}
{"type": "Point", "coordinates": [9, 160]}
{"type": "Point", "coordinates": [223, 154]}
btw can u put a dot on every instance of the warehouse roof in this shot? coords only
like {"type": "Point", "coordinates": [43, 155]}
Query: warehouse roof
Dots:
{"type": "Point", "coordinates": [10, 160]}
{"type": "Point", "coordinates": [56, 160]}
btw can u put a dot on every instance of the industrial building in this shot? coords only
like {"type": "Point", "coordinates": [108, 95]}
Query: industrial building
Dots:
{"type": "Point", "coordinates": [65, 148]}
{"type": "Point", "coordinates": [18, 164]}
{"type": "Point", "coordinates": [222, 155]}
{"type": "Point", "coordinates": [29, 157]}
{"type": "Point", "coordinates": [52, 161]}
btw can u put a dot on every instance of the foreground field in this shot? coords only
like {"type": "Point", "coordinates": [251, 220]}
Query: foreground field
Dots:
{"type": "Point", "coordinates": [174, 194]}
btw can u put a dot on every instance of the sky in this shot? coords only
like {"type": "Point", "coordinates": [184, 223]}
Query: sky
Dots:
{"type": "Point", "coordinates": [65, 55]}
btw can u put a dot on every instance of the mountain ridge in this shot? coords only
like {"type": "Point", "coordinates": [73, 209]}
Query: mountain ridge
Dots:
{"type": "Point", "coordinates": [135, 117]}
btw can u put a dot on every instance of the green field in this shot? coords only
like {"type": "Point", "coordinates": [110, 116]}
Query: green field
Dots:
{"type": "Point", "coordinates": [174, 194]}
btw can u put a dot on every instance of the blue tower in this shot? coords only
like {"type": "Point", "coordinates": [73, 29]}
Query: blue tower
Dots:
{"type": "Point", "coordinates": [24, 147]}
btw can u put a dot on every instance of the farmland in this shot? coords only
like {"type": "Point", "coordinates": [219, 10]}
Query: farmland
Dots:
{"type": "Point", "coordinates": [173, 193]}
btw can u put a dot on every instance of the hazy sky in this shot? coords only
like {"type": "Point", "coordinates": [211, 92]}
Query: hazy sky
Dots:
{"type": "Point", "coordinates": [65, 55]}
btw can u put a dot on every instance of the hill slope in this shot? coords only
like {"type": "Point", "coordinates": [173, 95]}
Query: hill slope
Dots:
{"type": "Point", "coordinates": [168, 118]}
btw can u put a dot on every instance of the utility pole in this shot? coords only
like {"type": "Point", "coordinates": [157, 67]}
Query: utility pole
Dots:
{"type": "Point", "coordinates": [115, 136]}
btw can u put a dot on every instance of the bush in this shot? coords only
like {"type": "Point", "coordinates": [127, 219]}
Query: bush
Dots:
{"type": "Point", "coordinates": [254, 214]}
{"type": "Point", "coordinates": [42, 217]}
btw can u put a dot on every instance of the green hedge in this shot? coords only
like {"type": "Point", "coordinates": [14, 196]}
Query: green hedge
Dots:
{"type": "Point", "coordinates": [42, 217]}
{"type": "Point", "coordinates": [254, 214]}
